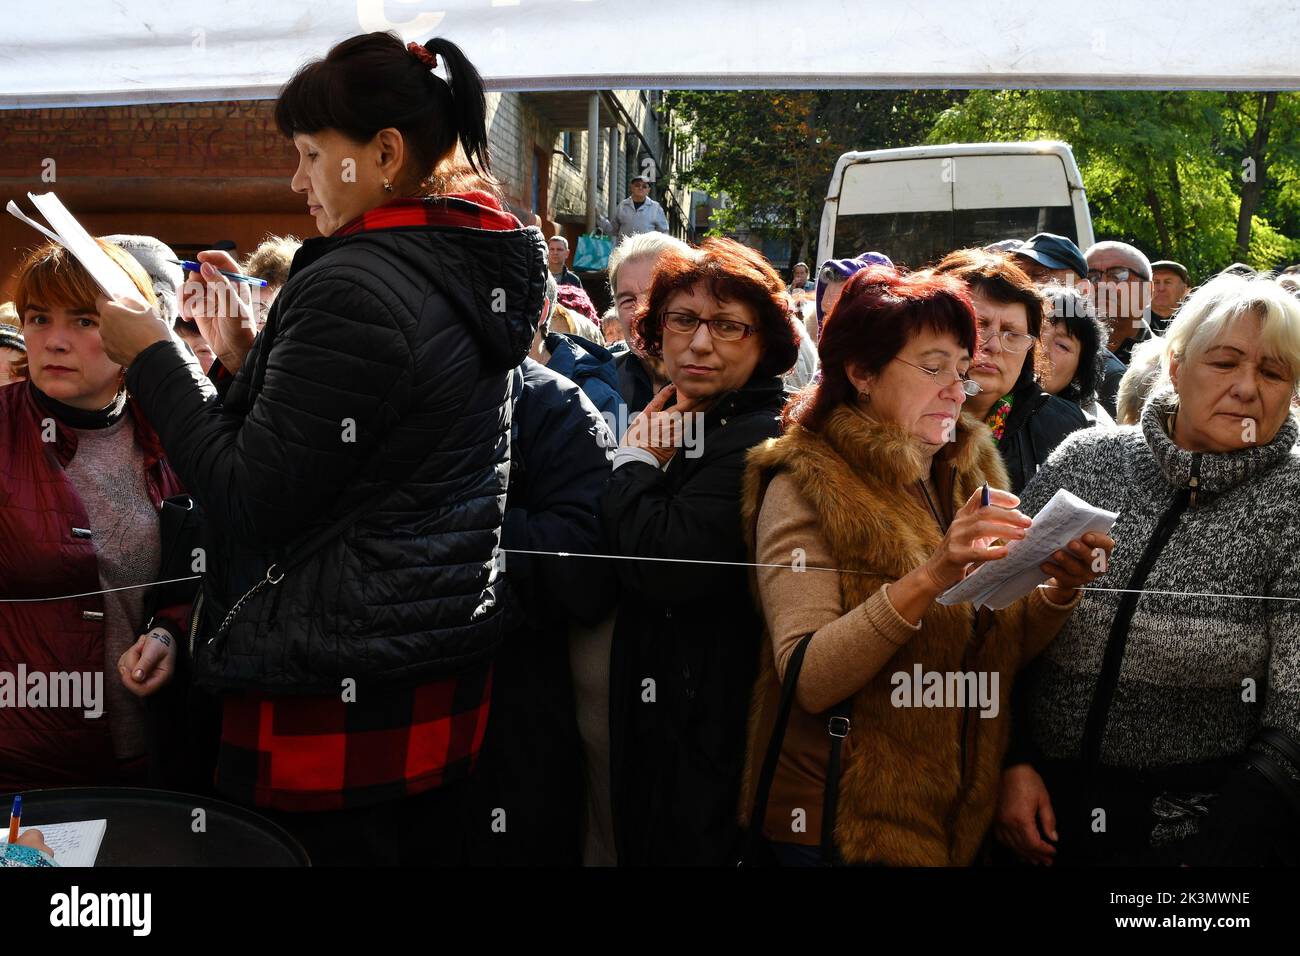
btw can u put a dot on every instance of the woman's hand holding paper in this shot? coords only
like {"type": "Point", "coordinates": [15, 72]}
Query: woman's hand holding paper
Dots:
{"type": "Point", "coordinates": [1079, 564]}
{"type": "Point", "coordinates": [128, 327]}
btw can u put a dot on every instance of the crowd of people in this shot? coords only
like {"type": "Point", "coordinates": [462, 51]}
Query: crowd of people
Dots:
{"type": "Point", "coordinates": [419, 556]}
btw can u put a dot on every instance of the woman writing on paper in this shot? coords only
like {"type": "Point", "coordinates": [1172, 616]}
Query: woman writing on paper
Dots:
{"type": "Point", "coordinates": [354, 470]}
{"type": "Point", "coordinates": [879, 475]}
{"type": "Point", "coordinates": [84, 510]}
{"type": "Point", "coordinates": [1173, 705]}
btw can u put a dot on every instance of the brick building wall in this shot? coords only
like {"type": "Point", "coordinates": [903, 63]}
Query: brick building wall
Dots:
{"type": "Point", "coordinates": [190, 174]}
{"type": "Point", "coordinates": [195, 174]}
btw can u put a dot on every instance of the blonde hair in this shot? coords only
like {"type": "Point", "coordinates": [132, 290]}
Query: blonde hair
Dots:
{"type": "Point", "coordinates": [1209, 310]}
{"type": "Point", "coordinates": [644, 245]}
{"type": "Point", "coordinates": [272, 258]}
{"type": "Point", "coordinates": [1139, 381]}
{"type": "Point", "coordinates": [571, 323]}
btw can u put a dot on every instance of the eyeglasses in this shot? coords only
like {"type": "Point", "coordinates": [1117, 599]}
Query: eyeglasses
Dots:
{"type": "Point", "coordinates": [1011, 341]}
{"type": "Point", "coordinates": [724, 330]}
{"type": "Point", "coordinates": [1117, 274]}
{"type": "Point", "coordinates": [945, 377]}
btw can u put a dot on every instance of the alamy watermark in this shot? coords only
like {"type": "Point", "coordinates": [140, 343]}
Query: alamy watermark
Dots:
{"type": "Point", "coordinates": [922, 688]}
{"type": "Point", "coordinates": [76, 690]}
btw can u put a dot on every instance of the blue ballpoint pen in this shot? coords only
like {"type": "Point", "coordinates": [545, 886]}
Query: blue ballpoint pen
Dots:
{"type": "Point", "coordinates": [190, 266]}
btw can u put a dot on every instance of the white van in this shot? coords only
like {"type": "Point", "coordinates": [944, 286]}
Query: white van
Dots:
{"type": "Point", "coordinates": [919, 203]}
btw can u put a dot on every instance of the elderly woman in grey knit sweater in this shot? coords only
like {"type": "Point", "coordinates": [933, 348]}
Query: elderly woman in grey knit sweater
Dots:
{"type": "Point", "coordinates": [1163, 723]}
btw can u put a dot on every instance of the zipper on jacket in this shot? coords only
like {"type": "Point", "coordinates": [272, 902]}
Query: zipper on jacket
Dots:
{"type": "Point", "coordinates": [1194, 479]}
{"type": "Point", "coordinates": [194, 620]}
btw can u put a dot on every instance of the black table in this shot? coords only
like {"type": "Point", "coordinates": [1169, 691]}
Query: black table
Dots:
{"type": "Point", "coordinates": [157, 827]}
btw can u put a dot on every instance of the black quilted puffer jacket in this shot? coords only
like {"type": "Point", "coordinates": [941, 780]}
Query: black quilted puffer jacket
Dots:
{"type": "Point", "coordinates": [383, 370]}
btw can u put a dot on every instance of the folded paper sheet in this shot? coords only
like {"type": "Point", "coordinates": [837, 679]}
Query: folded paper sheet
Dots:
{"type": "Point", "coordinates": [996, 584]}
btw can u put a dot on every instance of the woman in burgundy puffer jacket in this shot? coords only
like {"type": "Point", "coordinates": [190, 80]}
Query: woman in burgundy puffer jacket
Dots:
{"type": "Point", "coordinates": [84, 524]}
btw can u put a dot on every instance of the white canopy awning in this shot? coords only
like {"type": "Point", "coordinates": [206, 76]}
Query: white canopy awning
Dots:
{"type": "Point", "coordinates": [65, 53]}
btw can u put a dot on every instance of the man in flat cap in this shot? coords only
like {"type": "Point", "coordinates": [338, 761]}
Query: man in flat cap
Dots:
{"type": "Point", "coordinates": [1169, 283]}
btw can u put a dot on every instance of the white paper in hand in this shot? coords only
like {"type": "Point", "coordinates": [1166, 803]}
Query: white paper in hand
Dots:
{"type": "Point", "coordinates": [67, 232]}
{"type": "Point", "coordinates": [997, 584]}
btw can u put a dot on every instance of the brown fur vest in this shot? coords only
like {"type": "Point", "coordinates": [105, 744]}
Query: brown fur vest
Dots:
{"type": "Point", "coordinates": [905, 797]}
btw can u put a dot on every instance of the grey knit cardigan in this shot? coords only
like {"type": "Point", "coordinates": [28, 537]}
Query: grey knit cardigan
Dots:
{"type": "Point", "coordinates": [1208, 662]}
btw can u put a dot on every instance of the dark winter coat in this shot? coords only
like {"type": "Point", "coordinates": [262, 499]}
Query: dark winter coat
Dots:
{"type": "Point", "coordinates": [383, 371]}
{"type": "Point", "coordinates": [531, 762]}
{"type": "Point", "coordinates": [591, 367]}
{"type": "Point", "coordinates": [686, 641]}
{"type": "Point", "coordinates": [1037, 424]}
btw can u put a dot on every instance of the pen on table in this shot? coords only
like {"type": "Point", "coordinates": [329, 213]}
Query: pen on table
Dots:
{"type": "Point", "coordinates": [15, 816]}
{"type": "Point", "coordinates": [984, 495]}
{"type": "Point", "coordinates": [190, 265]}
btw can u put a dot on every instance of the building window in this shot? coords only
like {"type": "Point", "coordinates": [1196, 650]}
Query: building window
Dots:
{"type": "Point", "coordinates": [568, 143]}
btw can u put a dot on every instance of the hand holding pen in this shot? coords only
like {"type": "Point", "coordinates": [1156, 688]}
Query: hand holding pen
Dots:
{"type": "Point", "coordinates": [225, 311]}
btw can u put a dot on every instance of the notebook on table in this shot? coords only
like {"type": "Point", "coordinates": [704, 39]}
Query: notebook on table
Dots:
{"type": "Point", "coordinates": [74, 844]}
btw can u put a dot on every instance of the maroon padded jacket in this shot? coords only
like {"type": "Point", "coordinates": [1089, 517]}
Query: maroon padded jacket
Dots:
{"type": "Point", "coordinates": [41, 556]}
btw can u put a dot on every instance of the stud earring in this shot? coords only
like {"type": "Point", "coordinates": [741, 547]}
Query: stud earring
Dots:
{"type": "Point", "coordinates": [388, 187]}
{"type": "Point", "coordinates": [864, 397]}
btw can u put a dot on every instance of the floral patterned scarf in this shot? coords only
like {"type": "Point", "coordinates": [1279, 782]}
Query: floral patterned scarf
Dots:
{"type": "Point", "coordinates": [997, 418]}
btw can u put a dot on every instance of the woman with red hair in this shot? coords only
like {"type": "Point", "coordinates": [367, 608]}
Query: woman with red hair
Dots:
{"type": "Point", "coordinates": [686, 637]}
{"type": "Point", "coordinates": [879, 476]}
{"type": "Point", "coordinates": [95, 549]}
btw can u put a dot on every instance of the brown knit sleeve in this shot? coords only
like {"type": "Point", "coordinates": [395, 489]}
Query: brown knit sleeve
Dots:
{"type": "Point", "coordinates": [848, 648]}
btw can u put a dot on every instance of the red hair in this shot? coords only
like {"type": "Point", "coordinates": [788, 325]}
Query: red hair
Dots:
{"type": "Point", "coordinates": [730, 271]}
{"type": "Point", "coordinates": [878, 313]}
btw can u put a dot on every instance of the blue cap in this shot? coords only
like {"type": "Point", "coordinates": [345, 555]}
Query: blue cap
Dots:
{"type": "Point", "coordinates": [842, 269]}
{"type": "Point", "coordinates": [1054, 252]}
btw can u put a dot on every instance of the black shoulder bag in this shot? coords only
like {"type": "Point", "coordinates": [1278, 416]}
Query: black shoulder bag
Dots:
{"type": "Point", "coordinates": [757, 851]}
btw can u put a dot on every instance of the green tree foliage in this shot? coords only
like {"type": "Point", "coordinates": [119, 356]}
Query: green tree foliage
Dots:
{"type": "Point", "coordinates": [1166, 171]}
{"type": "Point", "coordinates": [772, 151]}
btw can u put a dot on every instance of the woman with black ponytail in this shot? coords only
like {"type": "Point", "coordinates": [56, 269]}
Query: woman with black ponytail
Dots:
{"type": "Point", "coordinates": [352, 459]}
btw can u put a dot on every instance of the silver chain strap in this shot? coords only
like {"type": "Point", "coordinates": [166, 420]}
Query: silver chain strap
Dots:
{"type": "Point", "coordinates": [271, 578]}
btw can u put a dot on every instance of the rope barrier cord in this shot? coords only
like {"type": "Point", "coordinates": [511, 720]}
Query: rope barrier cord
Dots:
{"type": "Point", "coordinates": [736, 564]}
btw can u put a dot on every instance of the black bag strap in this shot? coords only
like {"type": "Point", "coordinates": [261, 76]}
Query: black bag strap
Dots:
{"type": "Point", "coordinates": [1275, 775]}
{"type": "Point", "coordinates": [1282, 741]}
{"type": "Point", "coordinates": [768, 772]}
{"type": "Point", "coordinates": [1281, 777]}
{"type": "Point", "coordinates": [837, 728]}
{"type": "Point", "coordinates": [1094, 728]}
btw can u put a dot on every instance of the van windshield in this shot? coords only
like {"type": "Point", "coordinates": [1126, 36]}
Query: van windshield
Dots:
{"type": "Point", "coordinates": [916, 239]}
